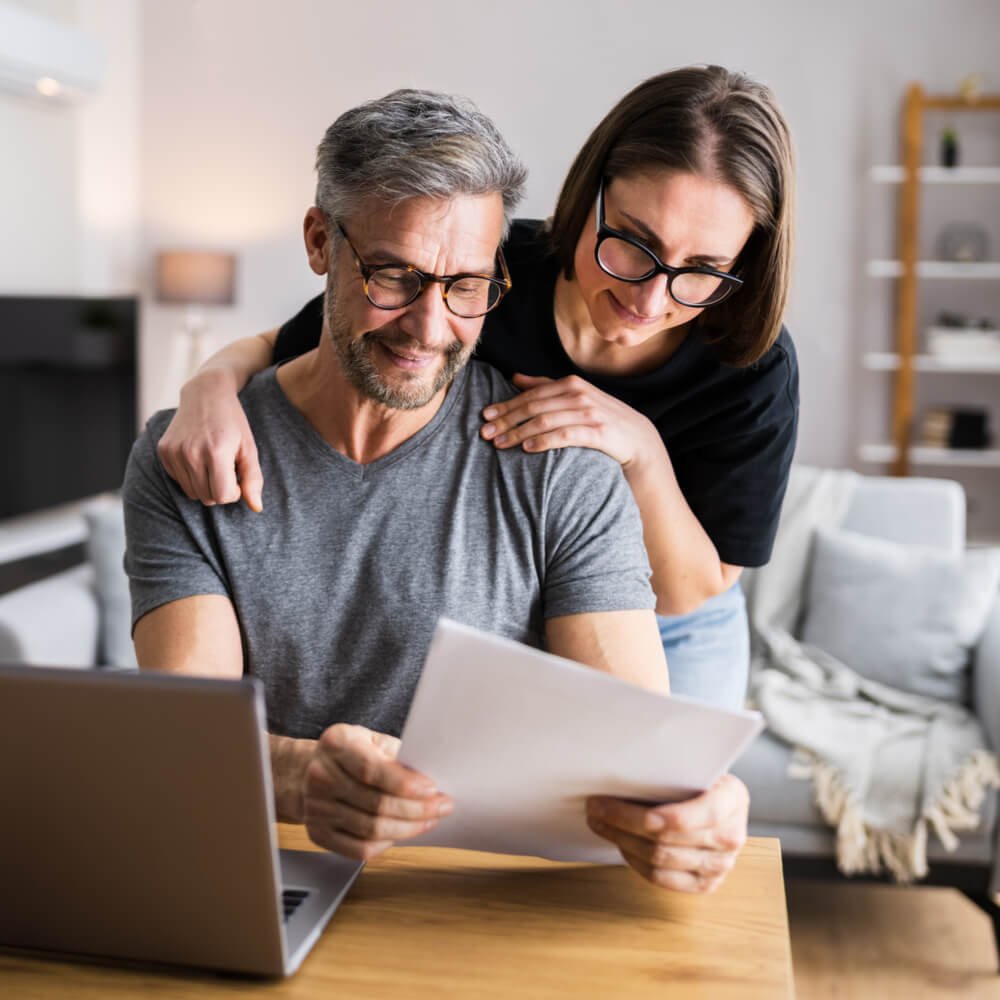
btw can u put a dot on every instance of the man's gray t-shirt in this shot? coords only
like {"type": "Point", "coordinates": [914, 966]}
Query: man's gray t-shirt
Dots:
{"type": "Point", "coordinates": [339, 582]}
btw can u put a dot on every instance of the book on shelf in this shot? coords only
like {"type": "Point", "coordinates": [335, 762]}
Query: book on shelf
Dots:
{"type": "Point", "coordinates": [955, 427]}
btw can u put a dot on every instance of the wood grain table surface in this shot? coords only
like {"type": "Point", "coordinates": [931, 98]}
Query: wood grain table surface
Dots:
{"type": "Point", "coordinates": [432, 922]}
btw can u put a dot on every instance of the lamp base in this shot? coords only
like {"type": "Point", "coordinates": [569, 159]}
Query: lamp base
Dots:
{"type": "Point", "coordinates": [194, 333]}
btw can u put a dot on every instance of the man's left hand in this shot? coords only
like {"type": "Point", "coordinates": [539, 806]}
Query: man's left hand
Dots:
{"type": "Point", "coordinates": [689, 846]}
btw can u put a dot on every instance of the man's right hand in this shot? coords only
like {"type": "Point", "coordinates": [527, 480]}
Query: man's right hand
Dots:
{"type": "Point", "coordinates": [359, 800]}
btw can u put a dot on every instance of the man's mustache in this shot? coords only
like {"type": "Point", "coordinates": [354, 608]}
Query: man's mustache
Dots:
{"type": "Point", "coordinates": [402, 344]}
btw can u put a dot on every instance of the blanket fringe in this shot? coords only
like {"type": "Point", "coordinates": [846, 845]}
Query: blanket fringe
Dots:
{"type": "Point", "coordinates": [865, 849]}
{"type": "Point", "coordinates": [958, 806]}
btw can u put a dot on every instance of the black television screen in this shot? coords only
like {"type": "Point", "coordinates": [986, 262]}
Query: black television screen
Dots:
{"type": "Point", "coordinates": [67, 398]}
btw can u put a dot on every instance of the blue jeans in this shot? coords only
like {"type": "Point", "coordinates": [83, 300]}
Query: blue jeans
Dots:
{"type": "Point", "coordinates": [708, 651]}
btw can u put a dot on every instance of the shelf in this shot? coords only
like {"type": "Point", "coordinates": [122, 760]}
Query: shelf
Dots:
{"type": "Point", "coordinates": [876, 361]}
{"type": "Point", "coordinates": [968, 457]}
{"type": "Point", "coordinates": [944, 352]}
{"type": "Point", "coordinates": [937, 175]}
{"type": "Point", "coordinates": [989, 269]}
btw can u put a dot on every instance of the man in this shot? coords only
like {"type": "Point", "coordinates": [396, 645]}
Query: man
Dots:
{"type": "Point", "coordinates": [385, 509]}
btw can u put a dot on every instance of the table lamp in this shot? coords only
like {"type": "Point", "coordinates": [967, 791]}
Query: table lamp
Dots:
{"type": "Point", "coordinates": [195, 278]}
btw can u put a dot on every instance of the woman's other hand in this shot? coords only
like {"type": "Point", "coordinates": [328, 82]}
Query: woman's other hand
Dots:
{"type": "Point", "coordinates": [569, 411]}
{"type": "Point", "coordinates": [208, 447]}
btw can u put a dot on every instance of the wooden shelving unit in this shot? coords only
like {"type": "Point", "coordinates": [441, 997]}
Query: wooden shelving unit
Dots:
{"type": "Point", "coordinates": [908, 270]}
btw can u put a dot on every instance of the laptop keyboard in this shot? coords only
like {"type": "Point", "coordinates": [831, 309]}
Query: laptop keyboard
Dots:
{"type": "Point", "coordinates": [292, 899]}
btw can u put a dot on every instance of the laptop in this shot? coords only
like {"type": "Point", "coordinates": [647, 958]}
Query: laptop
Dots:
{"type": "Point", "coordinates": [138, 825]}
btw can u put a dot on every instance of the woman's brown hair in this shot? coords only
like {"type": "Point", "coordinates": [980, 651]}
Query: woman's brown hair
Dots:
{"type": "Point", "coordinates": [721, 125]}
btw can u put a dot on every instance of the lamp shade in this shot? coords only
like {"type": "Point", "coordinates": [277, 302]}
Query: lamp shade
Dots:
{"type": "Point", "coordinates": [195, 277]}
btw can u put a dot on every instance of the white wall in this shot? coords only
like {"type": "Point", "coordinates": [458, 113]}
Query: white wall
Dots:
{"type": "Point", "coordinates": [38, 185]}
{"type": "Point", "coordinates": [236, 97]}
{"type": "Point", "coordinates": [107, 163]}
{"type": "Point", "coordinates": [69, 173]}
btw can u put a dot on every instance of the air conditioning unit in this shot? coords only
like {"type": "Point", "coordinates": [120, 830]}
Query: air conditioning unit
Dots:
{"type": "Point", "coordinates": [42, 58]}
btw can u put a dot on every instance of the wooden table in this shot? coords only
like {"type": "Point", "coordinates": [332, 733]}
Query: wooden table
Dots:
{"type": "Point", "coordinates": [432, 923]}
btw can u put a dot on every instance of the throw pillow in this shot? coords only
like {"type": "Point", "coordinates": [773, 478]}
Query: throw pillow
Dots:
{"type": "Point", "coordinates": [905, 615]}
{"type": "Point", "coordinates": [106, 549]}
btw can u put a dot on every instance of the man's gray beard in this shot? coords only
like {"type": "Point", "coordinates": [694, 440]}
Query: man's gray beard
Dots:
{"type": "Point", "coordinates": [356, 363]}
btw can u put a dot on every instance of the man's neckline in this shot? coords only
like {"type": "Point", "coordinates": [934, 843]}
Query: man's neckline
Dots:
{"type": "Point", "coordinates": [400, 445]}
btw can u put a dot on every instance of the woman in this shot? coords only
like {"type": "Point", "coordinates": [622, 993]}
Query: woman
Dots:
{"type": "Point", "coordinates": [647, 316]}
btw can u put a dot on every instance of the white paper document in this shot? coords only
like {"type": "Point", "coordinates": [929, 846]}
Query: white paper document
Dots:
{"type": "Point", "coordinates": [519, 738]}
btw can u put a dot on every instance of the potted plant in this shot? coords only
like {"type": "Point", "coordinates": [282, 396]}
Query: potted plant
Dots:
{"type": "Point", "coordinates": [949, 147]}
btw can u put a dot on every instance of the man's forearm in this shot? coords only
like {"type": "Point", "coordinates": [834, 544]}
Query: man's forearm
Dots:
{"type": "Point", "coordinates": [626, 644]}
{"type": "Point", "coordinates": [289, 760]}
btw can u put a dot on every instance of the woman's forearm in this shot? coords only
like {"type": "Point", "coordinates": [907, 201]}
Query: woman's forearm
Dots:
{"type": "Point", "coordinates": [558, 413]}
{"type": "Point", "coordinates": [241, 359]}
{"type": "Point", "coordinates": [686, 567]}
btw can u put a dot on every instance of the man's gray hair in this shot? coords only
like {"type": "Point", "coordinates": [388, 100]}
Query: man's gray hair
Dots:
{"type": "Point", "coordinates": [414, 144]}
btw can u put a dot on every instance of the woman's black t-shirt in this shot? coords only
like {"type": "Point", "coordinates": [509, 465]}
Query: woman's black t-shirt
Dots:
{"type": "Point", "coordinates": [730, 432]}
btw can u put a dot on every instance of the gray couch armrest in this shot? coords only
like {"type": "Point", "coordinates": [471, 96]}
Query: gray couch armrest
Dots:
{"type": "Point", "coordinates": [54, 622]}
{"type": "Point", "coordinates": [986, 678]}
{"type": "Point", "coordinates": [986, 701]}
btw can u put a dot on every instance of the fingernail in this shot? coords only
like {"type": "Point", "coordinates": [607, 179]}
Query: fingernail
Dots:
{"type": "Point", "coordinates": [529, 444]}
{"type": "Point", "coordinates": [446, 808]}
{"type": "Point", "coordinates": [490, 412]}
{"type": "Point", "coordinates": [489, 430]}
{"type": "Point", "coordinates": [654, 821]}
{"type": "Point", "coordinates": [502, 439]}
{"type": "Point", "coordinates": [426, 791]}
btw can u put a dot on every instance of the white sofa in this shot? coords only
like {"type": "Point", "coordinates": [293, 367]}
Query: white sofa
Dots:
{"type": "Point", "coordinates": [929, 512]}
{"type": "Point", "coordinates": [78, 617]}
{"type": "Point", "coordinates": [54, 622]}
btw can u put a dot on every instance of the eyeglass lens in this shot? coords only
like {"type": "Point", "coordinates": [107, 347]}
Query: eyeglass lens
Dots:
{"type": "Point", "coordinates": [395, 287]}
{"type": "Point", "coordinates": [632, 263]}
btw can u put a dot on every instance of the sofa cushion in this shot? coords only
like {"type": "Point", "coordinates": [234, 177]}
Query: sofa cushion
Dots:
{"type": "Point", "coordinates": [904, 615]}
{"type": "Point", "coordinates": [774, 797]}
{"type": "Point", "coordinates": [106, 548]}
